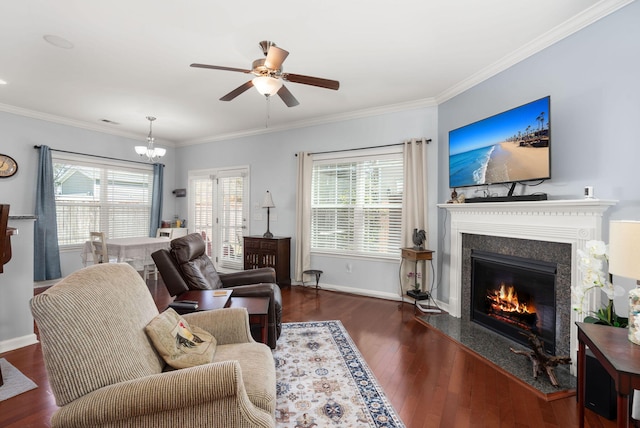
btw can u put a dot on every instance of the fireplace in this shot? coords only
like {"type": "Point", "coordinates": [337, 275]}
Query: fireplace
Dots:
{"type": "Point", "coordinates": [514, 296]}
{"type": "Point", "coordinates": [567, 222]}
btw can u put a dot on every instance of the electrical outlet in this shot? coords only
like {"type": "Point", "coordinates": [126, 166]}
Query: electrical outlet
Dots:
{"type": "Point", "coordinates": [349, 267]}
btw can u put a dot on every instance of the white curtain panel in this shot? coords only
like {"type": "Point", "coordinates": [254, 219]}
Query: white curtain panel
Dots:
{"type": "Point", "coordinates": [414, 207]}
{"type": "Point", "coordinates": [303, 215]}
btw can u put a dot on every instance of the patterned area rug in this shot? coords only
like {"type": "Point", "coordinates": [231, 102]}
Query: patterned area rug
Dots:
{"type": "Point", "coordinates": [14, 381]}
{"type": "Point", "coordinates": [323, 381]}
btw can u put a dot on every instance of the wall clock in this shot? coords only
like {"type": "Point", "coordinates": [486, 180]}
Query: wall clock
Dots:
{"type": "Point", "coordinates": [8, 166]}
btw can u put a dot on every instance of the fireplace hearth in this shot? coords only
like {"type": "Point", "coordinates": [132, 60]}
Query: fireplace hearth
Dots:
{"type": "Point", "coordinates": [514, 296]}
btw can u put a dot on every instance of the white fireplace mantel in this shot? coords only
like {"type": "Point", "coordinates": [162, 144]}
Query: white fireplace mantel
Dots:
{"type": "Point", "coordinates": [566, 221]}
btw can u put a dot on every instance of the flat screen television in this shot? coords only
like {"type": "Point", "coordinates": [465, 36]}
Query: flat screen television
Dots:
{"type": "Point", "coordinates": [510, 147]}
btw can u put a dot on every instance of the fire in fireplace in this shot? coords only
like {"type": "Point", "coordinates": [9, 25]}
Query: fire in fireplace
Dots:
{"type": "Point", "coordinates": [513, 295]}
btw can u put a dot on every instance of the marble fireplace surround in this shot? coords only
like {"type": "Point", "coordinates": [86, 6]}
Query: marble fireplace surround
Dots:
{"type": "Point", "coordinates": [571, 222]}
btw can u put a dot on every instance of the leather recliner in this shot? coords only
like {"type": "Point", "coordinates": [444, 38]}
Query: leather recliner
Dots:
{"type": "Point", "coordinates": [187, 267]}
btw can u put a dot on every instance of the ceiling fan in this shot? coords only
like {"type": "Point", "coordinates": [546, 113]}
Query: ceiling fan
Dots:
{"type": "Point", "coordinates": [269, 76]}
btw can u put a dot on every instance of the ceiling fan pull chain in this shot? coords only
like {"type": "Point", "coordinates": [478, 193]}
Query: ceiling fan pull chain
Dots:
{"type": "Point", "coordinates": [266, 123]}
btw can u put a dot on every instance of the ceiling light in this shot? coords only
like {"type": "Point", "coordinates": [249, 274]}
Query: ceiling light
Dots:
{"type": "Point", "coordinates": [58, 41]}
{"type": "Point", "coordinates": [153, 153]}
{"type": "Point", "coordinates": [267, 85]}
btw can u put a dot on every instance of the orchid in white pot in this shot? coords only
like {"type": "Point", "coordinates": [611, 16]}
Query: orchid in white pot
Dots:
{"type": "Point", "coordinates": [593, 262]}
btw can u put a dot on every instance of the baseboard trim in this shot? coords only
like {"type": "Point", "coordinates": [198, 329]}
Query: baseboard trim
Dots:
{"type": "Point", "coordinates": [17, 342]}
{"type": "Point", "coordinates": [368, 293]}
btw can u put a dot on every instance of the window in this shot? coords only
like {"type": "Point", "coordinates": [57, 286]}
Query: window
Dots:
{"type": "Point", "coordinates": [356, 205]}
{"type": "Point", "coordinates": [114, 198]}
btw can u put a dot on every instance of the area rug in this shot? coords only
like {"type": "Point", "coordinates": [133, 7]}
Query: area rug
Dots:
{"type": "Point", "coordinates": [15, 382]}
{"type": "Point", "coordinates": [323, 381]}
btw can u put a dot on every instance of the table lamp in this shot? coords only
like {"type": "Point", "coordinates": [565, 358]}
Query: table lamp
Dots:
{"type": "Point", "coordinates": [624, 260]}
{"type": "Point", "coordinates": [268, 204]}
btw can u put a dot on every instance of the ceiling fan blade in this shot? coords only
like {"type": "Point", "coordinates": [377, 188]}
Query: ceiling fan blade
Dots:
{"type": "Point", "coordinates": [217, 67]}
{"type": "Point", "coordinates": [275, 58]}
{"type": "Point", "coordinates": [237, 91]}
{"type": "Point", "coordinates": [313, 81]}
{"type": "Point", "coordinates": [287, 97]}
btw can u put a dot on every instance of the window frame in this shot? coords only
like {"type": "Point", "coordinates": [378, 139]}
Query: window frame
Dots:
{"type": "Point", "coordinates": [362, 155]}
{"type": "Point", "coordinates": [106, 168]}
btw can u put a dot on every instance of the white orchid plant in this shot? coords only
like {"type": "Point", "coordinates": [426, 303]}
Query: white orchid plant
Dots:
{"type": "Point", "coordinates": [593, 263]}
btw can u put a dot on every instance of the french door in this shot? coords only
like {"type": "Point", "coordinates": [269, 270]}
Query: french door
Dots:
{"type": "Point", "coordinates": [218, 207]}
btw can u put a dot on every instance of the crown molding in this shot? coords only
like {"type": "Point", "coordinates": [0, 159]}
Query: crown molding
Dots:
{"type": "Point", "coordinates": [560, 32]}
{"type": "Point", "coordinates": [358, 114]}
{"type": "Point", "coordinates": [78, 124]}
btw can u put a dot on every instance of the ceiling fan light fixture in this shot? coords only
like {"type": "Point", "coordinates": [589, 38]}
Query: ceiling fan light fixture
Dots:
{"type": "Point", "coordinates": [267, 85]}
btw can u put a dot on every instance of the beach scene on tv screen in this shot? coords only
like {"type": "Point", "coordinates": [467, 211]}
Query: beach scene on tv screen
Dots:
{"type": "Point", "coordinates": [510, 146]}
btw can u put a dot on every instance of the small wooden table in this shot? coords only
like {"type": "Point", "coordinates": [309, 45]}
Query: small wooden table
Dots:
{"type": "Point", "coordinates": [619, 357]}
{"type": "Point", "coordinates": [416, 256]}
{"type": "Point", "coordinates": [257, 307]}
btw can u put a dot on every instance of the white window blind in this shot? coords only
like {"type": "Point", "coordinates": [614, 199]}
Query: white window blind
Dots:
{"type": "Point", "coordinates": [104, 197]}
{"type": "Point", "coordinates": [201, 209]}
{"type": "Point", "coordinates": [356, 205]}
{"type": "Point", "coordinates": [231, 211]}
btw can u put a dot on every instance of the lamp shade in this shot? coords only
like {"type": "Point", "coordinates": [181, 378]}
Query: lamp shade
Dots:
{"type": "Point", "coordinates": [624, 248]}
{"type": "Point", "coordinates": [267, 202]}
{"type": "Point", "coordinates": [267, 85]}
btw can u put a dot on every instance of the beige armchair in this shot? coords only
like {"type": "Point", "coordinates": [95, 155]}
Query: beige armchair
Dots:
{"type": "Point", "coordinates": [104, 371]}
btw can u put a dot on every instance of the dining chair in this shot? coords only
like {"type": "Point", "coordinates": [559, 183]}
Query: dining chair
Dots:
{"type": "Point", "coordinates": [98, 247]}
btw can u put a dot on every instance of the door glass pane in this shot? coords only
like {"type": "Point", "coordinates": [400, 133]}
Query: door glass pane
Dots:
{"type": "Point", "coordinates": [202, 221]}
{"type": "Point", "coordinates": [231, 221]}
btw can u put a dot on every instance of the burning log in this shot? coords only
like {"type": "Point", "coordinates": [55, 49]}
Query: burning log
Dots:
{"type": "Point", "coordinates": [541, 360]}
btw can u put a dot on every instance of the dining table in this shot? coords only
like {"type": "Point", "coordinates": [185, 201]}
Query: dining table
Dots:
{"type": "Point", "coordinates": [136, 251]}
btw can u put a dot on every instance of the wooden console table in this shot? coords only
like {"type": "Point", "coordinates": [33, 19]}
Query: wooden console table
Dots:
{"type": "Point", "coordinates": [619, 357]}
{"type": "Point", "coordinates": [273, 252]}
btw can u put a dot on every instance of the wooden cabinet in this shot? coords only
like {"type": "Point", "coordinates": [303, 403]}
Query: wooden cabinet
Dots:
{"type": "Point", "coordinates": [269, 252]}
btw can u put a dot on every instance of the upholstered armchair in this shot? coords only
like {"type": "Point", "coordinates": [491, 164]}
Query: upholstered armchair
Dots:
{"type": "Point", "coordinates": [105, 372]}
{"type": "Point", "coordinates": [187, 267]}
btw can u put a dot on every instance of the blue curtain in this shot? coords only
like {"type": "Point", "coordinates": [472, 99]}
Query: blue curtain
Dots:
{"type": "Point", "coordinates": [46, 253]}
{"type": "Point", "coordinates": [156, 199]}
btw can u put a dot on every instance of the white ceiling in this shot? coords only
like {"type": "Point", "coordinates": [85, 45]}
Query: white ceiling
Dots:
{"type": "Point", "coordinates": [130, 59]}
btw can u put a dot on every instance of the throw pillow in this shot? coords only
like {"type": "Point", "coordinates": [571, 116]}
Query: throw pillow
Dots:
{"type": "Point", "coordinates": [178, 343]}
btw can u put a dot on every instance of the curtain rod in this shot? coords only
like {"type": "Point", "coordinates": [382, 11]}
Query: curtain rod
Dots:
{"type": "Point", "coordinates": [418, 140]}
{"type": "Point", "coordinates": [95, 156]}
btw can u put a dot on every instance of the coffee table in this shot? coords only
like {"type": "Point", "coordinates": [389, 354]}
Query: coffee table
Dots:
{"type": "Point", "coordinates": [257, 307]}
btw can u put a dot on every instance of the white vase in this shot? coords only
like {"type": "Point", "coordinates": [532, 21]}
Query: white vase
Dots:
{"type": "Point", "coordinates": [634, 315]}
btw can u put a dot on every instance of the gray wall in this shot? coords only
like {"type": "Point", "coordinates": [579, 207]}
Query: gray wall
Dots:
{"type": "Point", "coordinates": [591, 76]}
{"type": "Point", "coordinates": [19, 134]}
{"type": "Point", "coordinates": [594, 84]}
{"type": "Point", "coordinates": [272, 162]}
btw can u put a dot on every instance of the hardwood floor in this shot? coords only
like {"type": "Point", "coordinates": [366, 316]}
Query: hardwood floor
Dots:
{"type": "Point", "coordinates": [431, 381]}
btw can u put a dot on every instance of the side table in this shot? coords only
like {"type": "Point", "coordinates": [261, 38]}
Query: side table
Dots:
{"type": "Point", "coordinates": [619, 357]}
{"type": "Point", "coordinates": [258, 309]}
{"type": "Point", "coordinates": [414, 255]}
